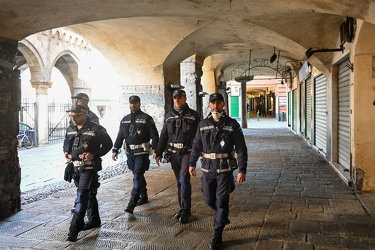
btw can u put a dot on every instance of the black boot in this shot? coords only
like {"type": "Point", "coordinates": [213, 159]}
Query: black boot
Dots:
{"type": "Point", "coordinates": [217, 238]}
{"type": "Point", "coordinates": [184, 216]}
{"type": "Point", "coordinates": [72, 235]}
{"type": "Point", "coordinates": [91, 224]}
{"type": "Point", "coordinates": [142, 200]}
{"type": "Point", "coordinates": [130, 208]}
{"type": "Point", "coordinates": [178, 215]}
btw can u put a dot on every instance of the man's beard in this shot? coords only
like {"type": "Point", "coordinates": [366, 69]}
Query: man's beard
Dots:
{"type": "Point", "coordinates": [134, 110]}
{"type": "Point", "coordinates": [217, 115]}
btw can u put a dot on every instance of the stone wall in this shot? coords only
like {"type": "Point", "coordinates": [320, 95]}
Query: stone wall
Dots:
{"type": "Point", "coordinates": [152, 101]}
{"type": "Point", "coordinates": [10, 102]}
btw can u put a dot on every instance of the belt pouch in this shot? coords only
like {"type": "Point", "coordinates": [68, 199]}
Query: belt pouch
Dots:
{"type": "Point", "coordinates": [233, 163]}
{"type": "Point", "coordinates": [223, 164]}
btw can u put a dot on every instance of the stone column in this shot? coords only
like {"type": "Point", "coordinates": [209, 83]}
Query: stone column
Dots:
{"type": "Point", "coordinates": [208, 84]}
{"type": "Point", "coordinates": [10, 104]}
{"type": "Point", "coordinates": [243, 105]}
{"type": "Point", "coordinates": [42, 111]}
{"type": "Point", "coordinates": [188, 80]}
{"type": "Point", "coordinates": [191, 73]}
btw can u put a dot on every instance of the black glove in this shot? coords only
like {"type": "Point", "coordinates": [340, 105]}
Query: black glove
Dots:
{"type": "Point", "coordinates": [69, 170]}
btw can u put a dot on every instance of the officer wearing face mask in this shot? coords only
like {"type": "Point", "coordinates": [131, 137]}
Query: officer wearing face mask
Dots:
{"type": "Point", "coordinates": [218, 140]}
{"type": "Point", "coordinates": [135, 132]}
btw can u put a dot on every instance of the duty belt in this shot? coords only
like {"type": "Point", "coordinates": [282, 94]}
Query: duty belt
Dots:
{"type": "Point", "coordinates": [88, 168]}
{"type": "Point", "coordinates": [132, 146]}
{"type": "Point", "coordinates": [176, 145]}
{"type": "Point", "coordinates": [141, 153]}
{"type": "Point", "coordinates": [218, 170]}
{"type": "Point", "coordinates": [79, 163]}
{"type": "Point", "coordinates": [214, 156]}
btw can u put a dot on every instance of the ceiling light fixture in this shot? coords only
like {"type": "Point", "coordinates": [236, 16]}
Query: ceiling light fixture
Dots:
{"type": "Point", "coordinates": [273, 57]}
{"type": "Point", "coordinates": [245, 78]}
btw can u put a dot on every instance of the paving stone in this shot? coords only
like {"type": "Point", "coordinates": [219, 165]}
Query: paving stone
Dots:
{"type": "Point", "coordinates": [304, 226]}
{"type": "Point", "coordinates": [292, 199]}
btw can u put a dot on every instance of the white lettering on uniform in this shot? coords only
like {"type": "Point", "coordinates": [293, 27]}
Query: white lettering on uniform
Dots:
{"type": "Point", "coordinates": [206, 128]}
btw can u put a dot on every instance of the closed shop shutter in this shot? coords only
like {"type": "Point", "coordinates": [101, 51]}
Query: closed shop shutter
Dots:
{"type": "Point", "coordinates": [320, 126]}
{"type": "Point", "coordinates": [290, 108]}
{"type": "Point", "coordinates": [295, 116]}
{"type": "Point", "coordinates": [308, 107]}
{"type": "Point", "coordinates": [344, 115]}
{"type": "Point", "coordinates": [303, 108]}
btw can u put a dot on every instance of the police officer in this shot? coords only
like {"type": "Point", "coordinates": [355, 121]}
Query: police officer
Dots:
{"type": "Point", "coordinates": [177, 136]}
{"type": "Point", "coordinates": [83, 99]}
{"type": "Point", "coordinates": [84, 145]}
{"type": "Point", "coordinates": [217, 140]}
{"type": "Point", "coordinates": [136, 130]}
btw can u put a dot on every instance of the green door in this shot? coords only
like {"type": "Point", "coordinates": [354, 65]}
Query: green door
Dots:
{"type": "Point", "coordinates": [234, 107]}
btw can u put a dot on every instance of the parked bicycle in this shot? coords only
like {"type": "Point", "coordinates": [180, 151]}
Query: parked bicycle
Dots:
{"type": "Point", "coordinates": [25, 141]}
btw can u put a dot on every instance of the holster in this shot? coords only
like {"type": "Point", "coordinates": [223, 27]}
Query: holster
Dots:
{"type": "Point", "coordinates": [126, 148]}
{"type": "Point", "coordinates": [79, 169]}
{"type": "Point", "coordinates": [166, 156]}
{"type": "Point", "coordinates": [233, 163]}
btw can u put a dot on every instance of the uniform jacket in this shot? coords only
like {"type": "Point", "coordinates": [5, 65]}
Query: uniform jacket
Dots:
{"type": "Point", "coordinates": [93, 117]}
{"type": "Point", "coordinates": [92, 138]}
{"type": "Point", "coordinates": [136, 128]}
{"type": "Point", "coordinates": [178, 128]}
{"type": "Point", "coordinates": [222, 137]}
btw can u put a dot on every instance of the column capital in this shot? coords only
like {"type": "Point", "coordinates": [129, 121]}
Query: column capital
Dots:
{"type": "Point", "coordinates": [41, 87]}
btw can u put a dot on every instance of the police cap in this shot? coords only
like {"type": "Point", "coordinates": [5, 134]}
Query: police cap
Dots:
{"type": "Point", "coordinates": [78, 109]}
{"type": "Point", "coordinates": [216, 96]}
{"type": "Point", "coordinates": [134, 99]}
{"type": "Point", "coordinates": [179, 93]}
{"type": "Point", "coordinates": [81, 96]}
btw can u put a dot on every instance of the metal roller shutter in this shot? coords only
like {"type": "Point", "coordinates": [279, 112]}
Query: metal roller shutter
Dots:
{"type": "Point", "coordinates": [308, 107]}
{"type": "Point", "coordinates": [320, 125]}
{"type": "Point", "coordinates": [344, 115]}
{"type": "Point", "coordinates": [303, 108]}
{"type": "Point", "coordinates": [294, 113]}
{"type": "Point", "coordinates": [290, 108]}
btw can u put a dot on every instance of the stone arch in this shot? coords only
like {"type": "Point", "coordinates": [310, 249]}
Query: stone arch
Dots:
{"type": "Point", "coordinates": [33, 60]}
{"type": "Point", "coordinates": [67, 63]}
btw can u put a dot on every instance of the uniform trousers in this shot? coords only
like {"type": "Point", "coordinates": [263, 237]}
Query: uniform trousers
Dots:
{"type": "Point", "coordinates": [138, 164]}
{"type": "Point", "coordinates": [216, 188]}
{"type": "Point", "coordinates": [87, 185]}
{"type": "Point", "coordinates": [180, 166]}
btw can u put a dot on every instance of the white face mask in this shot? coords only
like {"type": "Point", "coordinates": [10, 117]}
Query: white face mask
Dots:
{"type": "Point", "coordinates": [217, 115]}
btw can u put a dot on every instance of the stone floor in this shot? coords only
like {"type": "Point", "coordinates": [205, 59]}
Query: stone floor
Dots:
{"type": "Point", "coordinates": [292, 199]}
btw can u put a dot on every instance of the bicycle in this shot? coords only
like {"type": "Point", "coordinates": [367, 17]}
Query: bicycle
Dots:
{"type": "Point", "coordinates": [25, 141]}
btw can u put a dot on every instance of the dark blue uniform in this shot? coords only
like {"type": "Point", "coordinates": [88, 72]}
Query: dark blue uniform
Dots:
{"type": "Point", "coordinates": [216, 144]}
{"type": "Point", "coordinates": [177, 137]}
{"type": "Point", "coordinates": [136, 129]}
{"type": "Point", "coordinates": [92, 116]}
{"type": "Point", "coordinates": [91, 138]}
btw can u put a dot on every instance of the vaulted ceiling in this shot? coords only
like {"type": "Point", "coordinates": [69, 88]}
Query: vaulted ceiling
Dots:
{"type": "Point", "coordinates": [226, 30]}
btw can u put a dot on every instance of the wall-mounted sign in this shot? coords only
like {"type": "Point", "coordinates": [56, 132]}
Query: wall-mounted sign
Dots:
{"type": "Point", "coordinates": [235, 91]}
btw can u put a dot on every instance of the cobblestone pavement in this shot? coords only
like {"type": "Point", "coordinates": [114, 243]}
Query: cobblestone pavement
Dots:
{"type": "Point", "coordinates": [292, 199]}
